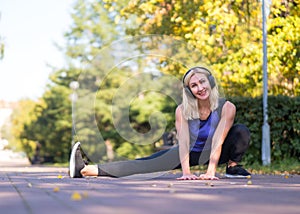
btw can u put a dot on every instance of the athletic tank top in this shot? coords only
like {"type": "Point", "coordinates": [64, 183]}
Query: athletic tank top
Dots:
{"type": "Point", "coordinates": [202, 131]}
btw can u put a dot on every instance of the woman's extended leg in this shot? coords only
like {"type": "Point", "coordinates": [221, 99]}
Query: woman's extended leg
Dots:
{"type": "Point", "coordinates": [161, 161]}
{"type": "Point", "coordinates": [164, 160]}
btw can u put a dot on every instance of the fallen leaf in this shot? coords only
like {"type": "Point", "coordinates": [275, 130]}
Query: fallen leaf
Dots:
{"type": "Point", "coordinates": [56, 189]}
{"type": "Point", "coordinates": [76, 196]}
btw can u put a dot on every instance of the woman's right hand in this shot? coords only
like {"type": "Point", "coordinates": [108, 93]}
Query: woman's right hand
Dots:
{"type": "Point", "coordinates": [188, 177]}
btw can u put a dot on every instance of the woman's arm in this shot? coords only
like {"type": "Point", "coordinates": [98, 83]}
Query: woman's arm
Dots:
{"type": "Point", "coordinates": [184, 147]}
{"type": "Point", "coordinates": [226, 121]}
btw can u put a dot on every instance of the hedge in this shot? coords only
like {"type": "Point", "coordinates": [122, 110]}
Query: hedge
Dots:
{"type": "Point", "coordinates": [284, 121]}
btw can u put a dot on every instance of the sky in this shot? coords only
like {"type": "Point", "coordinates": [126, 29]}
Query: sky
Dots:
{"type": "Point", "coordinates": [30, 29]}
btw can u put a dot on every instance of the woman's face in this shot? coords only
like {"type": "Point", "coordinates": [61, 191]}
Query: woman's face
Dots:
{"type": "Point", "coordinates": [200, 86]}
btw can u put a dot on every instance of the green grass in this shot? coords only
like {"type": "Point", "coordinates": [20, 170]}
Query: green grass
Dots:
{"type": "Point", "coordinates": [290, 166]}
{"type": "Point", "coordinates": [285, 167]}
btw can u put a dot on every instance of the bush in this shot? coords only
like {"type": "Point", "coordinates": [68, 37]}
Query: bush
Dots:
{"type": "Point", "coordinates": [284, 121]}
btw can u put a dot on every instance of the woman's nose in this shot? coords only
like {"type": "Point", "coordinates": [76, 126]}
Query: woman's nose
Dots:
{"type": "Point", "coordinates": [199, 87]}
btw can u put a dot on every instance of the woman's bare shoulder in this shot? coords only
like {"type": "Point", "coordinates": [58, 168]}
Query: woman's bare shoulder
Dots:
{"type": "Point", "coordinates": [228, 109]}
{"type": "Point", "coordinates": [179, 109]}
{"type": "Point", "coordinates": [228, 104]}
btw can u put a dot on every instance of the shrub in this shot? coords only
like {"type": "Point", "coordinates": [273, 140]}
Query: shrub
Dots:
{"type": "Point", "coordinates": [284, 120]}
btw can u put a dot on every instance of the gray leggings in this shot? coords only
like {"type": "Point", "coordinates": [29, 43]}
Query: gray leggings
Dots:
{"type": "Point", "coordinates": [233, 148]}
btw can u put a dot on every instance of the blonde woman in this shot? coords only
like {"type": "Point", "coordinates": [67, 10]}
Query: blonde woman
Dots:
{"type": "Point", "coordinates": [205, 133]}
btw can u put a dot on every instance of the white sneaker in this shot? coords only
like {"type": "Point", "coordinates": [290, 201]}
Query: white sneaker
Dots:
{"type": "Point", "coordinates": [76, 161]}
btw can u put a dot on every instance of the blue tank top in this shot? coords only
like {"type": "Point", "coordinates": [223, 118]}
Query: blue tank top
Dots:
{"type": "Point", "coordinates": [202, 131]}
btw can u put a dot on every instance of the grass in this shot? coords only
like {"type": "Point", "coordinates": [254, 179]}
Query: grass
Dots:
{"type": "Point", "coordinates": [290, 166]}
{"type": "Point", "coordinates": [285, 167]}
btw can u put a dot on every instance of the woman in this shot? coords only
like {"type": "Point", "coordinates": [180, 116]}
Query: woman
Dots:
{"type": "Point", "coordinates": [205, 133]}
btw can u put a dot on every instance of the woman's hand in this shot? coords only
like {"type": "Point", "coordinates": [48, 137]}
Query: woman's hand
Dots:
{"type": "Point", "coordinates": [208, 176]}
{"type": "Point", "coordinates": [188, 177]}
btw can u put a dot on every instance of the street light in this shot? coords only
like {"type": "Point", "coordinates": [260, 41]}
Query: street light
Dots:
{"type": "Point", "coordinates": [266, 147]}
{"type": "Point", "coordinates": [74, 85]}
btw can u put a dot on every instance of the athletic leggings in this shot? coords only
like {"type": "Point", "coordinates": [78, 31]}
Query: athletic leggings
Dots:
{"type": "Point", "coordinates": [233, 148]}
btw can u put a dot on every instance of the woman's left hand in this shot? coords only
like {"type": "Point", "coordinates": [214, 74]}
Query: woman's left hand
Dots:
{"type": "Point", "coordinates": [208, 177]}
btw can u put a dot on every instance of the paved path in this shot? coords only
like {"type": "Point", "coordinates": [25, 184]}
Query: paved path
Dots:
{"type": "Point", "coordinates": [39, 189]}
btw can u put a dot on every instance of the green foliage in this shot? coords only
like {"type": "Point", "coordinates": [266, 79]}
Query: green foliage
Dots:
{"type": "Point", "coordinates": [49, 127]}
{"type": "Point", "coordinates": [21, 117]}
{"type": "Point", "coordinates": [229, 36]}
{"type": "Point", "coordinates": [283, 119]}
{"type": "Point", "coordinates": [285, 167]}
{"type": "Point", "coordinates": [93, 27]}
{"type": "Point", "coordinates": [131, 151]}
{"type": "Point", "coordinates": [284, 48]}
{"type": "Point", "coordinates": [225, 35]}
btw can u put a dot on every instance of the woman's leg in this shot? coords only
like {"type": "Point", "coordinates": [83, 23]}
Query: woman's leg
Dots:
{"type": "Point", "coordinates": [235, 144]}
{"type": "Point", "coordinates": [160, 161]}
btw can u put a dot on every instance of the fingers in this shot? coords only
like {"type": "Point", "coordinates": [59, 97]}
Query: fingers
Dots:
{"type": "Point", "coordinates": [208, 177]}
{"type": "Point", "coordinates": [188, 177]}
{"type": "Point", "coordinates": [201, 177]}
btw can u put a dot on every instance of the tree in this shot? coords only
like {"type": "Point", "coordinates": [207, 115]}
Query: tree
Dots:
{"type": "Point", "coordinates": [228, 34]}
{"type": "Point", "coordinates": [124, 80]}
{"type": "Point", "coordinates": [52, 126]}
{"type": "Point", "coordinates": [284, 48]}
{"type": "Point", "coordinates": [21, 117]}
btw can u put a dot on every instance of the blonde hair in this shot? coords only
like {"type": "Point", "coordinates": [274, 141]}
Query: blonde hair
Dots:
{"type": "Point", "coordinates": [190, 104]}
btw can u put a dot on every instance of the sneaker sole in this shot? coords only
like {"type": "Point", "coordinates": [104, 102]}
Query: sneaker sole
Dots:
{"type": "Point", "coordinates": [72, 160]}
{"type": "Point", "coordinates": [236, 176]}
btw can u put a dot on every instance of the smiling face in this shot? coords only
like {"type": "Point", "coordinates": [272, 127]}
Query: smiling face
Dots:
{"type": "Point", "coordinates": [199, 86]}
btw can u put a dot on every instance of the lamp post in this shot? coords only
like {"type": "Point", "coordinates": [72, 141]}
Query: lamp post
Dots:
{"type": "Point", "coordinates": [265, 150]}
{"type": "Point", "coordinates": [74, 85]}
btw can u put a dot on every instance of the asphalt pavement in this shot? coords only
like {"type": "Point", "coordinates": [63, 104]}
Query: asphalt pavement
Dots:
{"type": "Point", "coordinates": [41, 189]}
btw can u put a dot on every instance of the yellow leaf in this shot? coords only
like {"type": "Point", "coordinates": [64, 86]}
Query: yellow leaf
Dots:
{"type": "Point", "coordinates": [56, 189]}
{"type": "Point", "coordinates": [76, 196]}
{"type": "Point", "coordinates": [117, 19]}
{"type": "Point", "coordinates": [178, 19]}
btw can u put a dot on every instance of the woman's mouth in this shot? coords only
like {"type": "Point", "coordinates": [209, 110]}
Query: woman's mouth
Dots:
{"type": "Point", "coordinates": [201, 93]}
